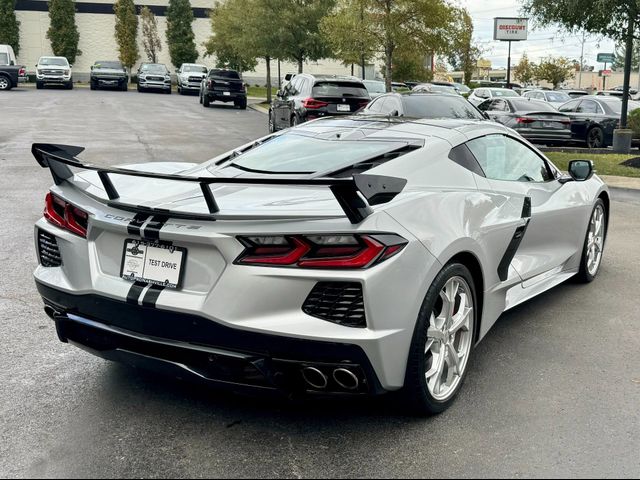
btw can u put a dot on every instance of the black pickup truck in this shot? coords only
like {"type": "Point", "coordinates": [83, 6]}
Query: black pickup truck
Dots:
{"type": "Point", "coordinates": [11, 75]}
{"type": "Point", "coordinates": [223, 86]}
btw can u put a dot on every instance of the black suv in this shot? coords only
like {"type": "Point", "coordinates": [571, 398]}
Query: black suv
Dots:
{"type": "Point", "coordinates": [308, 97]}
{"type": "Point", "coordinates": [224, 86]}
{"type": "Point", "coordinates": [109, 74]}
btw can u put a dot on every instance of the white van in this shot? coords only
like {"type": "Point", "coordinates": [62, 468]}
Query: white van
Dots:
{"type": "Point", "coordinates": [7, 57]}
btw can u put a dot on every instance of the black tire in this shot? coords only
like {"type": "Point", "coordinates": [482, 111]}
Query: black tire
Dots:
{"type": "Point", "coordinates": [243, 105]}
{"type": "Point", "coordinates": [584, 276]}
{"type": "Point", "coordinates": [294, 122]}
{"type": "Point", "coordinates": [415, 394]}
{"type": "Point", "coordinates": [200, 97]}
{"type": "Point", "coordinates": [168, 92]}
{"type": "Point", "coordinates": [206, 102]}
{"type": "Point", "coordinates": [595, 138]}
{"type": "Point", "coordinates": [139, 89]}
{"type": "Point", "coordinates": [69, 86]}
{"type": "Point", "coordinates": [5, 83]}
{"type": "Point", "coordinates": [39, 85]}
{"type": "Point", "coordinates": [92, 85]}
{"type": "Point", "coordinates": [124, 87]}
{"type": "Point", "coordinates": [272, 124]}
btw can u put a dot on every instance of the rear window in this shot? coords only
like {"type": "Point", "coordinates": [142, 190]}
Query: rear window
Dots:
{"type": "Point", "coordinates": [439, 106]}
{"type": "Point", "coordinates": [4, 59]}
{"type": "Point", "coordinates": [296, 153]}
{"type": "Point", "coordinates": [225, 74]}
{"type": "Point", "coordinates": [530, 105]}
{"type": "Point", "coordinates": [558, 97]}
{"type": "Point", "coordinates": [339, 89]}
{"type": "Point", "coordinates": [443, 89]}
{"type": "Point", "coordinates": [504, 92]}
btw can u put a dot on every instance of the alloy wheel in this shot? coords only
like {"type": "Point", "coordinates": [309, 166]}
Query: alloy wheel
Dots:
{"type": "Point", "coordinates": [4, 83]}
{"type": "Point", "coordinates": [449, 339]}
{"type": "Point", "coordinates": [595, 240]}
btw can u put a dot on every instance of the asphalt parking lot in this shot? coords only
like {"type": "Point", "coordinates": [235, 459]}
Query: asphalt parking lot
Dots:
{"type": "Point", "coordinates": [554, 389]}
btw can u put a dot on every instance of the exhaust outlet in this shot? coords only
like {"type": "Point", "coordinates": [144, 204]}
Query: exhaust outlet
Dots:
{"type": "Point", "coordinates": [346, 379]}
{"type": "Point", "coordinates": [315, 378]}
{"type": "Point", "coordinates": [51, 312]}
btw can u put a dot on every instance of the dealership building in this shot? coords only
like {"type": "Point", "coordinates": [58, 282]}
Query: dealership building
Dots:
{"type": "Point", "coordinates": [96, 23]}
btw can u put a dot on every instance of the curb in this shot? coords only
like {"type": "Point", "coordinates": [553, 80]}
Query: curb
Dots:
{"type": "Point", "coordinates": [626, 183]}
{"type": "Point", "coordinates": [259, 108]}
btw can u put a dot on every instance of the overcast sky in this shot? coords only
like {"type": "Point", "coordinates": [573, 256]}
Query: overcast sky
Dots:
{"type": "Point", "coordinates": [542, 42]}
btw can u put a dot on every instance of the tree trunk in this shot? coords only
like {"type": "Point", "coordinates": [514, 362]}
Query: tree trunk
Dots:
{"type": "Point", "coordinates": [268, 60]}
{"type": "Point", "coordinates": [388, 68]}
{"type": "Point", "coordinates": [300, 64]}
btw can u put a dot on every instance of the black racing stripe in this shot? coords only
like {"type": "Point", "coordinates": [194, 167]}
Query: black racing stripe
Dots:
{"type": "Point", "coordinates": [134, 292]}
{"type": "Point", "coordinates": [151, 297]}
{"type": "Point", "coordinates": [152, 230]}
{"type": "Point", "coordinates": [134, 225]}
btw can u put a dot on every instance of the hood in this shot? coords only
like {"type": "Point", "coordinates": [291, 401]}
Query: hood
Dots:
{"type": "Point", "coordinates": [52, 67]}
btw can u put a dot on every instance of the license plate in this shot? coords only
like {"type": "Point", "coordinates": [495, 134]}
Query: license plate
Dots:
{"type": "Point", "coordinates": [551, 124]}
{"type": "Point", "coordinates": [153, 263]}
{"type": "Point", "coordinates": [227, 93]}
{"type": "Point", "coordinates": [344, 108]}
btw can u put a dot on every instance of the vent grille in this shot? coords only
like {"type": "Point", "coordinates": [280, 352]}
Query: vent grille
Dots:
{"type": "Point", "coordinates": [337, 302]}
{"type": "Point", "coordinates": [48, 250]}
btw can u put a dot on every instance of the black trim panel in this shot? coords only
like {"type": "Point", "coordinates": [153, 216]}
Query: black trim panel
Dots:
{"type": "Point", "coordinates": [100, 8]}
{"type": "Point", "coordinates": [151, 297]}
{"type": "Point", "coordinates": [134, 292]}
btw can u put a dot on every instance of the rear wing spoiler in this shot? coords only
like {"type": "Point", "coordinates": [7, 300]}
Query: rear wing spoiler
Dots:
{"type": "Point", "coordinates": [355, 195]}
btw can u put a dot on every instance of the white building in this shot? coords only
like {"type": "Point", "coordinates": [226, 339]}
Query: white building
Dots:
{"type": "Point", "coordinates": [96, 23]}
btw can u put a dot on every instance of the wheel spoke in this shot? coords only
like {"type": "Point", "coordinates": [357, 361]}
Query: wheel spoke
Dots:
{"type": "Point", "coordinates": [438, 365]}
{"type": "Point", "coordinates": [461, 320]}
{"type": "Point", "coordinates": [453, 360]}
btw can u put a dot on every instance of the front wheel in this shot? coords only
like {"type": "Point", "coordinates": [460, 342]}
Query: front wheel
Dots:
{"type": "Point", "coordinates": [442, 342]}
{"type": "Point", "coordinates": [595, 138]}
{"type": "Point", "coordinates": [5, 83]}
{"type": "Point", "coordinates": [593, 243]}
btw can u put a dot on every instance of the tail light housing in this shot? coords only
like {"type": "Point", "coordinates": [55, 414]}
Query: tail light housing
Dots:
{"type": "Point", "coordinates": [332, 251]}
{"type": "Point", "coordinates": [22, 72]}
{"type": "Point", "coordinates": [64, 215]}
{"type": "Point", "coordinates": [313, 104]}
{"type": "Point", "coordinates": [524, 120]}
{"type": "Point", "coordinates": [363, 103]}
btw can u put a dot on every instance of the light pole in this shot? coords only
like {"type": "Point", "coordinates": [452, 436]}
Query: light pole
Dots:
{"type": "Point", "coordinates": [581, 63]}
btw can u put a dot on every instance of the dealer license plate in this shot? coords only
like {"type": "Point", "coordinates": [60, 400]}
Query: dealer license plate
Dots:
{"type": "Point", "coordinates": [344, 108]}
{"type": "Point", "coordinates": [153, 263]}
{"type": "Point", "coordinates": [226, 93]}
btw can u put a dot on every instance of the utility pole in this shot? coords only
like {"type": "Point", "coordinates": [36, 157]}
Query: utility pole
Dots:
{"type": "Point", "coordinates": [509, 67]}
{"type": "Point", "coordinates": [581, 63]}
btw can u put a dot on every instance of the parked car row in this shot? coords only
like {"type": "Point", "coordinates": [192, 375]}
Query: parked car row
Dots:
{"type": "Point", "coordinates": [11, 74]}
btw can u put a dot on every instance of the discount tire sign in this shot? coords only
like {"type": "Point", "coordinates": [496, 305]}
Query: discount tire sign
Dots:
{"type": "Point", "coordinates": [512, 29]}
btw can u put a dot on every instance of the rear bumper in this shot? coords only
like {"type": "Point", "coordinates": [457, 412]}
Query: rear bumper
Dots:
{"type": "Point", "coordinates": [541, 136]}
{"type": "Point", "coordinates": [192, 347]}
{"type": "Point", "coordinates": [109, 82]}
{"type": "Point", "coordinates": [221, 97]}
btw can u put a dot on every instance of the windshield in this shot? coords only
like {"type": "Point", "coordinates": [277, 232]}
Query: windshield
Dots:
{"type": "Point", "coordinates": [233, 75]}
{"type": "Point", "coordinates": [339, 89]}
{"type": "Point", "coordinates": [530, 105]}
{"type": "Point", "coordinates": [462, 88]}
{"type": "Point", "coordinates": [296, 153]}
{"type": "Point", "coordinates": [154, 68]}
{"type": "Point", "coordinates": [439, 106]}
{"type": "Point", "coordinates": [111, 65]}
{"type": "Point", "coordinates": [443, 89]}
{"type": "Point", "coordinates": [557, 97]}
{"type": "Point", "coordinates": [57, 62]}
{"type": "Point", "coordinates": [375, 87]}
{"type": "Point", "coordinates": [194, 69]}
{"type": "Point", "coordinates": [504, 92]}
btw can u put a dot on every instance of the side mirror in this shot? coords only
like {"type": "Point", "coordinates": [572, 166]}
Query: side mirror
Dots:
{"type": "Point", "coordinates": [579, 171]}
{"type": "Point", "coordinates": [12, 63]}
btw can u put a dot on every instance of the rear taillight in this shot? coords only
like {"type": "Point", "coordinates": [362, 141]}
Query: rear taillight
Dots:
{"type": "Point", "coordinates": [524, 120]}
{"type": "Point", "coordinates": [64, 215]}
{"type": "Point", "coordinates": [312, 103]}
{"type": "Point", "coordinates": [22, 72]}
{"type": "Point", "coordinates": [319, 251]}
{"type": "Point", "coordinates": [363, 103]}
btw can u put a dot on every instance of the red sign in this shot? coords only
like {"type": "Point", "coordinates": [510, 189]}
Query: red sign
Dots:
{"type": "Point", "coordinates": [605, 73]}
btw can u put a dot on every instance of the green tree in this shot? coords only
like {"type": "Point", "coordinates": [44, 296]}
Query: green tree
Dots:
{"type": "Point", "coordinates": [63, 31]}
{"type": "Point", "coordinates": [230, 42]}
{"type": "Point", "coordinates": [555, 70]}
{"type": "Point", "coordinates": [126, 32]}
{"type": "Point", "coordinates": [348, 36]}
{"type": "Point", "coordinates": [465, 53]}
{"type": "Point", "coordinates": [150, 38]}
{"type": "Point", "coordinates": [9, 25]}
{"type": "Point", "coordinates": [180, 36]}
{"type": "Point", "coordinates": [397, 27]}
{"type": "Point", "coordinates": [620, 52]}
{"type": "Point", "coordinates": [410, 65]}
{"type": "Point", "coordinates": [301, 39]}
{"type": "Point", "coordinates": [525, 70]}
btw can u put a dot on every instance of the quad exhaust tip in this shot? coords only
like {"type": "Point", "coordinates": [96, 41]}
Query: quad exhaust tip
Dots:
{"type": "Point", "coordinates": [346, 379]}
{"type": "Point", "coordinates": [315, 378]}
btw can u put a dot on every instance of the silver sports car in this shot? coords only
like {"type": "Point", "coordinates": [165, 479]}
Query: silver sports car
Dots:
{"type": "Point", "coordinates": [345, 256]}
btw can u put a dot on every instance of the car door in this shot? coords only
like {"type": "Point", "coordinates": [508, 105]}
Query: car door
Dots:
{"type": "Point", "coordinates": [578, 129]}
{"type": "Point", "coordinates": [282, 105]}
{"type": "Point", "coordinates": [498, 110]}
{"type": "Point", "coordinates": [550, 235]}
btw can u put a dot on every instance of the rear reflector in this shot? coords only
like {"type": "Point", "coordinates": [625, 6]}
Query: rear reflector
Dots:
{"type": "Point", "coordinates": [64, 215]}
{"type": "Point", "coordinates": [320, 251]}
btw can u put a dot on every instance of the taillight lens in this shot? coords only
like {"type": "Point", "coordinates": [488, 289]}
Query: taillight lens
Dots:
{"type": "Point", "coordinates": [22, 72]}
{"type": "Point", "coordinates": [320, 251]}
{"type": "Point", "coordinates": [524, 120]}
{"type": "Point", "coordinates": [312, 103]}
{"type": "Point", "coordinates": [64, 215]}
